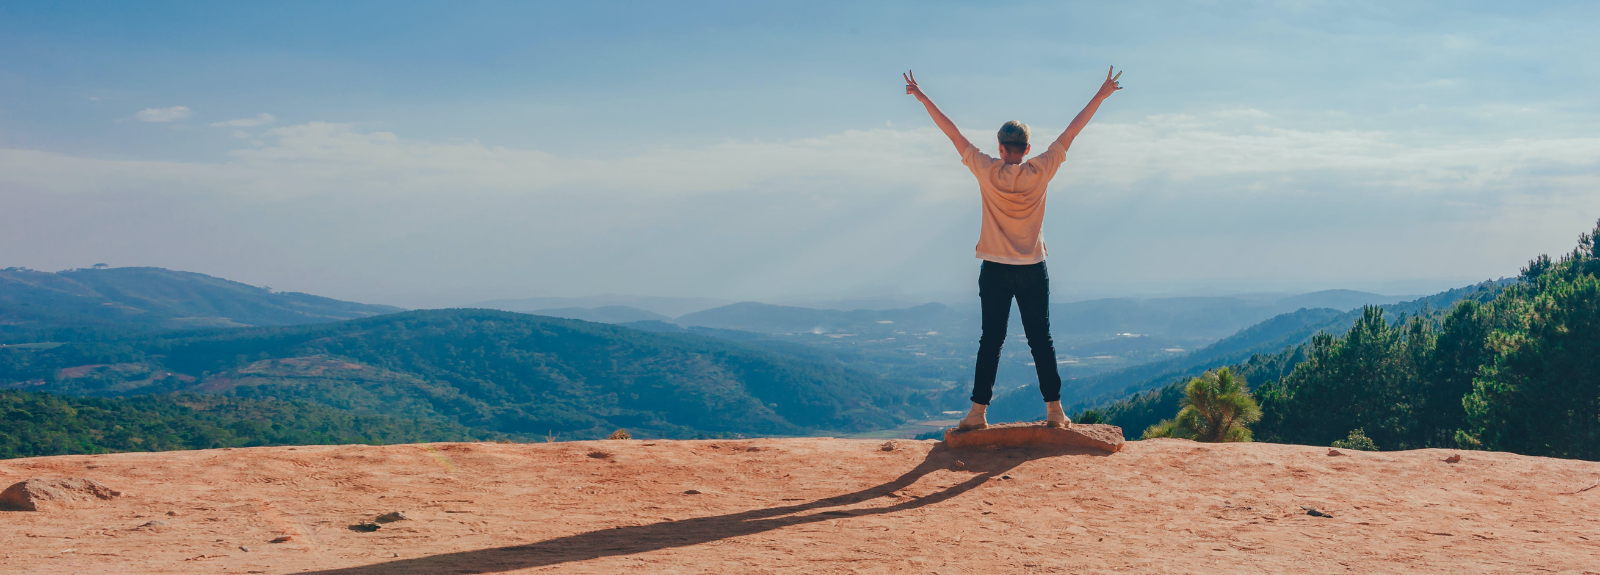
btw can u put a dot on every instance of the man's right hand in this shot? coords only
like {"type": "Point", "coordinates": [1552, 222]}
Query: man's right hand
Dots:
{"type": "Point", "coordinates": [1106, 88]}
{"type": "Point", "coordinates": [911, 86]}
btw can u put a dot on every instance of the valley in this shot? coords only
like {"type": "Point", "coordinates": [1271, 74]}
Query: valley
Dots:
{"type": "Point", "coordinates": [715, 370]}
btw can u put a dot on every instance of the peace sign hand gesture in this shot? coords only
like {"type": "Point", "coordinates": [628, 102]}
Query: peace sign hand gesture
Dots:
{"type": "Point", "coordinates": [911, 86]}
{"type": "Point", "coordinates": [1109, 86]}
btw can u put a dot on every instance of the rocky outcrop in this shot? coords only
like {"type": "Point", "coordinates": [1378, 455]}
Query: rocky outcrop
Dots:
{"type": "Point", "coordinates": [1106, 438]}
{"type": "Point", "coordinates": [28, 495]}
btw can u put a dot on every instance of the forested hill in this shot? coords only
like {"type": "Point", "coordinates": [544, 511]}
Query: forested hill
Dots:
{"type": "Point", "coordinates": [1517, 372]}
{"type": "Point", "coordinates": [497, 371]}
{"type": "Point", "coordinates": [91, 303]}
{"type": "Point", "coordinates": [1136, 394]}
{"type": "Point", "coordinates": [1511, 366]}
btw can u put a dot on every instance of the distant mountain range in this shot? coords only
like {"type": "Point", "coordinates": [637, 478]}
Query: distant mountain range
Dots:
{"type": "Point", "coordinates": [1182, 320]}
{"type": "Point", "coordinates": [509, 373]}
{"type": "Point", "coordinates": [1196, 317]}
{"type": "Point", "coordinates": [932, 345]}
{"type": "Point", "coordinates": [1341, 299]}
{"type": "Point", "coordinates": [618, 314]}
{"type": "Point", "coordinates": [67, 304]}
{"type": "Point", "coordinates": [667, 367]}
{"type": "Point", "coordinates": [668, 306]}
{"type": "Point", "coordinates": [766, 318]}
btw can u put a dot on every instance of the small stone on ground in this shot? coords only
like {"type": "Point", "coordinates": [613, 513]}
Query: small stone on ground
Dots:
{"type": "Point", "coordinates": [393, 516]}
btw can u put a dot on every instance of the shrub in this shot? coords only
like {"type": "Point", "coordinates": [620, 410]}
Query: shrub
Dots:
{"type": "Point", "coordinates": [620, 434]}
{"type": "Point", "coordinates": [1217, 408]}
{"type": "Point", "coordinates": [1357, 441]}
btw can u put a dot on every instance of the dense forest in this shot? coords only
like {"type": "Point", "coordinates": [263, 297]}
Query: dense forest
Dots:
{"type": "Point", "coordinates": [1514, 368]}
{"type": "Point", "coordinates": [1148, 393]}
{"type": "Point", "coordinates": [38, 424]}
{"type": "Point", "coordinates": [499, 372]}
{"type": "Point", "coordinates": [1520, 372]}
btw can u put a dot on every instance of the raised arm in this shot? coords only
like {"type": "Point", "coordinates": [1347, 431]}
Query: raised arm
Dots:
{"type": "Point", "coordinates": [1106, 88]}
{"type": "Point", "coordinates": [939, 118]}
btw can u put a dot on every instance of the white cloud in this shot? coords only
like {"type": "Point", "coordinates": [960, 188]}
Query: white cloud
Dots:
{"type": "Point", "coordinates": [172, 114]}
{"type": "Point", "coordinates": [261, 119]}
{"type": "Point", "coordinates": [1223, 154]}
{"type": "Point", "coordinates": [331, 156]}
{"type": "Point", "coordinates": [1200, 197]}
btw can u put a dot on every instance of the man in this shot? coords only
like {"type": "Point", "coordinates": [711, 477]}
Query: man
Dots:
{"type": "Point", "coordinates": [1011, 248]}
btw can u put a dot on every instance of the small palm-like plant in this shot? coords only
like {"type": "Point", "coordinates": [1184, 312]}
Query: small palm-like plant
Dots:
{"type": "Point", "coordinates": [1217, 407]}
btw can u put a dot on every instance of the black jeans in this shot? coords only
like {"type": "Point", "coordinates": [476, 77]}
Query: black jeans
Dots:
{"type": "Point", "coordinates": [1030, 284]}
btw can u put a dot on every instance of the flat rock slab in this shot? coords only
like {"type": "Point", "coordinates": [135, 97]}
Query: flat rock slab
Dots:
{"type": "Point", "coordinates": [1106, 438]}
{"type": "Point", "coordinates": [28, 495]}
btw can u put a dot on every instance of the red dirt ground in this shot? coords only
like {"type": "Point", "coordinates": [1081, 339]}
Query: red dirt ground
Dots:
{"type": "Point", "coordinates": [811, 506]}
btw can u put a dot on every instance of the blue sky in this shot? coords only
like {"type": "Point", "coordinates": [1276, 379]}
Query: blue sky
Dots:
{"type": "Point", "coordinates": [442, 153]}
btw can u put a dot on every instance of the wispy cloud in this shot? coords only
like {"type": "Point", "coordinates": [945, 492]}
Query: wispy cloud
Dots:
{"type": "Point", "coordinates": [261, 119]}
{"type": "Point", "coordinates": [172, 114]}
{"type": "Point", "coordinates": [1202, 197]}
{"type": "Point", "coordinates": [1213, 154]}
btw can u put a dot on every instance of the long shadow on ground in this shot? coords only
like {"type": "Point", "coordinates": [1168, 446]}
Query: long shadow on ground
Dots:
{"type": "Point", "coordinates": [665, 535]}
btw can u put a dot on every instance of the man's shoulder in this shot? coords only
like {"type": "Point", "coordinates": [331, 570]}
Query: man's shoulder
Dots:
{"type": "Point", "coordinates": [975, 157]}
{"type": "Point", "coordinates": [1052, 156]}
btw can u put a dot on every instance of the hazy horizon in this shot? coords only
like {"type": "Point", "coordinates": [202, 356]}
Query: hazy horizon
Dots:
{"type": "Point", "coordinates": [431, 155]}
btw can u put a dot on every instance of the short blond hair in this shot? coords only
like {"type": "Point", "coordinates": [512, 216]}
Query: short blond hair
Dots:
{"type": "Point", "coordinates": [1014, 136]}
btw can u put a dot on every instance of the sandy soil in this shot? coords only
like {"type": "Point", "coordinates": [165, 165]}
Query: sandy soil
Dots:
{"type": "Point", "coordinates": [811, 506]}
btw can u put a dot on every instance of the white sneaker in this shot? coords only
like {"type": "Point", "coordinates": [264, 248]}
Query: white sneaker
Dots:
{"type": "Point", "coordinates": [975, 419]}
{"type": "Point", "coordinates": [1055, 417]}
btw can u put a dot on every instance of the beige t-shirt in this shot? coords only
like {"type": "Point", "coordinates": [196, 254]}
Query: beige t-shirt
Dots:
{"type": "Point", "coordinates": [1013, 203]}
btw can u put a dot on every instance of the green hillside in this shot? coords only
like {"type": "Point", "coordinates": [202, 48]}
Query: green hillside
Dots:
{"type": "Point", "coordinates": [39, 424]}
{"type": "Point", "coordinates": [1511, 366]}
{"type": "Point", "coordinates": [500, 372]}
{"type": "Point", "coordinates": [81, 304]}
{"type": "Point", "coordinates": [1141, 393]}
{"type": "Point", "coordinates": [1519, 372]}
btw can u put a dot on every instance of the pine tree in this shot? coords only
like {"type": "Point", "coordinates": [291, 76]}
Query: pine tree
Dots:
{"type": "Point", "coordinates": [1367, 379]}
{"type": "Point", "coordinates": [1540, 392]}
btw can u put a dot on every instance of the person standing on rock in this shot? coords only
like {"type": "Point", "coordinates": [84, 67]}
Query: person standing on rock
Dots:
{"type": "Point", "coordinates": [1012, 248]}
